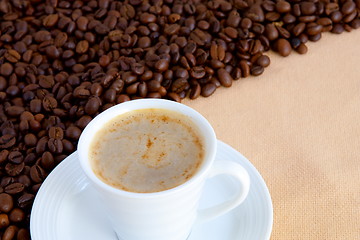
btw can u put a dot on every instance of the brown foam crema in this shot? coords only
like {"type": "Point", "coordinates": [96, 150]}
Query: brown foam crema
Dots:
{"type": "Point", "coordinates": [147, 150]}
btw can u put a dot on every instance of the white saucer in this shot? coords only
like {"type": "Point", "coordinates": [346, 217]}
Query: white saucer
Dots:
{"type": "Point", "coordinates": [67, 208]}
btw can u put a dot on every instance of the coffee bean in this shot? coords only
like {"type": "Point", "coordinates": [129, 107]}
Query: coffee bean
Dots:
{"type": "Point", "coordinates": [313, 29]}
{"type": "Point", "coordinates": [6, 69]}
{"type": "Point", "coordinates": [25, 200]}
{"type": "Point", "coordinates": [179, 85]}
{"type": "Point", "coordinates": [283, 47]}
{"type": "Point", "coordinates": [37, 174]}
{"type": "Point", "coordinates": [12, 56]}
{"type": "Point", "coordinates": [195, 91]}
{"type": "Point", "coordinates": [348, 7]}
{"type": "Point", "coordinates": [355, 24]}
{"type": "Point", "coordinates": [82, 47]}
{"type": "Point", "coordinates": [49, 103]}
{"type": "Point", "coordinates": [24, 179]}
{"type": "Point", "coordinates": [50, 20]}
{"type": "Point", "coordinates": [10, 233]}
{"type": "Point", "coordinates": [17, 215]}
{"type": "Point", "coordinates": [245, 69]}
{"type": "Point", "coordinates": [42, 36]}
{"type": "Point", "coordinates": [307, 8]}
{"type": "Point", "coordinates": [92, 106]}
{"type": "Point", "coordinates": [283, 6]}
{"type": "Point", "coordinates": [56, 132]}
{"type": "Point", "coordinates": [263, 61]}
{"type": "Point", "coordinates": [4, 221]}
{"type": "Point", "coordinates": [15, 157]}
{"type": "Point", "coordinates": [271, 32]}
{"type": "Point", "coordinates": [82, 23]}
{"type": "Point", "coordinates": [23, 234]}
{"type": "Point", "coordinates": [257, 70]}
{"type": "Point", "coordinates": [338, 28]}
{"type": "Point", "coordinates": [14, 169]}
{"type": "Point", "coordinates": [47, 160]}
{"type": "Point", "coordinates": [224, 77]}
{"type": "Point", "coordinates": [14, 111]}
{"type": "Point", "coordinates": [161, 65]}
{"type": "Point", "coordinates": [208, 89]}
{"type": "Point", "coordinates": [14, 188]}
{"type": "Point", "coordinates": [197, 72]}
{"type": "Point", "coordinates": [302, 49]}
{"type": "Point", "coordinates": [6, 202]}
{"type": "Point", "coordinates": [174, 96]}
{"type": "Point", "coordinates": [3, 155]}
{"type": "Point", "coordinates": [73, 132]}
{"type": "Point", "coordinates": [122, 98]}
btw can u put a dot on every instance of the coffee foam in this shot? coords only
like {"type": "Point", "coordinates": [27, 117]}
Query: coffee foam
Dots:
{"type": "Point", "coordinates": [147, 150]}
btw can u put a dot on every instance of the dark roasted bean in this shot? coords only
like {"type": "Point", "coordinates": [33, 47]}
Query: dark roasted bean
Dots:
{"type": "Point", "coordinates": [17, 215]}
{"type": "Point", "coordinates": [208, 89]}
{"type": "Point", "coordinates": [6, 202]}
{"type": "Point", "coordinates": [283, 47]}
{"type": "Point", "coordinates": [224, 77]}
{"type": "Point", "coordinates": [14, 188]}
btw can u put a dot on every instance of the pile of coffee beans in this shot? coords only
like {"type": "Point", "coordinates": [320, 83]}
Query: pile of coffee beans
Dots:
{"type": "Point", "coordinates": [63, 62]}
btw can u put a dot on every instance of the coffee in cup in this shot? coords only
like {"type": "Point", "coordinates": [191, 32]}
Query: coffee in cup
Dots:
{"type": "Point", "coordinates": [147, 150]}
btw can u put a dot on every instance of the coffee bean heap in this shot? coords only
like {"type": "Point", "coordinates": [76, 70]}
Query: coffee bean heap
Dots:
{"type": "Point", "coordinates": [63, 62]}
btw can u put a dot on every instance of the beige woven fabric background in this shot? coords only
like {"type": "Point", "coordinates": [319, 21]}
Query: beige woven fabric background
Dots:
{"type": "Point", "coordinates": [299, 124]}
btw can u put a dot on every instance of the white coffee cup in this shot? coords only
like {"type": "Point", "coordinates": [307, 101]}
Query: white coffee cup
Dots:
{"type": "Point", "coordinates": [169, 214]}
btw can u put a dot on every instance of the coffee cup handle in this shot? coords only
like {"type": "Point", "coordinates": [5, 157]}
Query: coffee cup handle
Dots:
{"type": "Point", "coordinates": [236, 171]}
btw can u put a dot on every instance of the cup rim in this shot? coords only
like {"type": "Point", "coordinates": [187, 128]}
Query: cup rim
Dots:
{"type": "Point", "coordinates": [204, 126]}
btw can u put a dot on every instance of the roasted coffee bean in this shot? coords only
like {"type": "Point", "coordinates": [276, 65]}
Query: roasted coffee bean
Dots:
{"type": "Point", "coordinates": [3, 155]}
{"type": "Point", "coordinates": [208, 89]}
{"type": "Point", "coordinates": [14, 111]}
{"type": "Point", "coordinates": [56, 132]}
{"type": "Point", "coordinates": [92, 106]}
{"type": "Point", "coordinates": [25, 180]}
{"type": "Point", "coordinates": [283, 6]}
{"type": "Point", "coordinates": [10, 233]}
{"type": "Point", "coordinates": [302, 49]}
{"type": "Point", "coordinates": [271, 31]}
{"type": "Point", "coordinates": [224, 77]}
{"type": "Point", "coordinates": [47, 160]}
{"type": "Point", "coordinates": [14, 169]}
{"type": "Point", "coordinates": [257, 70]}
{"type": "Point", "coordinates": [313, 29]}
{"type": "Point", "coordinates": [37, 174]}
{"type": "Point", "coordinates": [245, 69]}
{"type": "Point", "coordinates": [348, 7]}
{"type": "Point", "coordinates": [73, 132]}
{"type": "Point", "coordinates": [283, 47]}
{"type": "Point", "coordinates": [195, 91]}
{"type": "Point", "coordinates": [17, 215]}
{"type": "Point", "coordinates": [25, 200]}
{"type": "Point", "coordinates": [14, 188]}
{"type": "Point", "coordinates": [174, 96]}
{"type": "Point", "coordinates": [23, 234]}
{"type": "Point", "coordinates": [12, 56]}
{"type": "Point", "coordinates": [162, 65]}
{"type": "Point", "coordinates": [6, 202]}
{"type": "Point", "coordinates": [15, 157]}
{"type": "Point", "coordinates": [6, 69]}
{"type": "Point", "coordinates": [298, 28]}
{"type": "Point", "coordinates": [4, 221]}
{"type": "Point", "coordinates": [307, 8]}
{"type": "Point", "coordinates": [263, 61]}
{"type": "Point", "coordinates": [197, 72]}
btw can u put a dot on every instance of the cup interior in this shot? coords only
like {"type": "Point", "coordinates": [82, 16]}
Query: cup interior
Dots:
{"type": "Point", "coordinates": [99, 121]}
